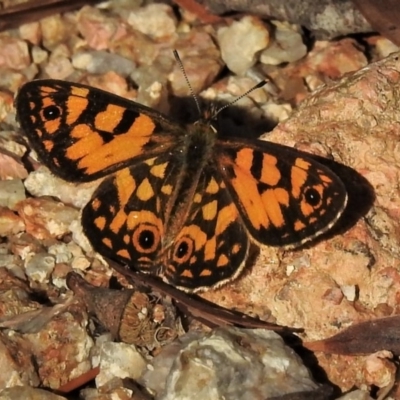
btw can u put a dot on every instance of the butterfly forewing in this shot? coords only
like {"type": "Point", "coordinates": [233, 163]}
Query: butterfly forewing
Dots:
{"type": "Point", "coordinates": [285, 197]}
{"type": "Point", "coordinates": [82, 133]}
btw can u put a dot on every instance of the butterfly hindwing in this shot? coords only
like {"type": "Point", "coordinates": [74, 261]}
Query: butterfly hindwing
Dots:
{"type": "Point", "coordinates": [126, 216]}
{"type": "Point", "coordinates": [212, 246]}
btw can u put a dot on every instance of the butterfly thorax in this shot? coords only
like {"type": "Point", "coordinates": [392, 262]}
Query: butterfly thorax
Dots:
{"type": "Point", "coordinates": [192, 157]}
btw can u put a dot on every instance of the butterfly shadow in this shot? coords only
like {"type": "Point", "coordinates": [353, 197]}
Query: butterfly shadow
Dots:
{"type": "Point", "coordinates": [233, 121]}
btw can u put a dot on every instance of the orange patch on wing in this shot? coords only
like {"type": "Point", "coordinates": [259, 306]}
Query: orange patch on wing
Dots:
{"type": "Point", "coordinates": [96, 203]}
{"type": "Point", "coordinates": [222, 261]}
{"type": "Point", "coordinates": [48, 145]}
{"type": "Point", "coordinates": [100, 222]}
{"type": "Point", "coordinates": [121, 148]}
{"type": "Point", "coordinates": [273, 208]}
{"type": "Point", "coordinates": [325, 178]}
{"type": "Point", "coordinates": [236, 248]}
{"type": "Point", "coordinates": [209, 210]}
{"type": "Point", "coordinates": [249, 197]}
{"type": "Point", "coordinates": [244, 159]}
{"type": "Point", "coordinates": [212, 186]}
{"type": "Point", "coordinates": [210, 248]}
{"type": "Point", "coordinates": [159, 170]}
{"type": "Point", "coordinates": [298, 176]}
{"type": "Point", "coordinates": [86, 146]}
{"type": "Point", "coordinates": [107, 242]}
{"type": "Point", "coordinates": [45, 90]}
{"type": "Point", "coordinates": [270, 173]}
{"type": "Point", "coordinates": [123, 254]}
{"type": "Point", "coordinates": [125, 185]}
{"type": "Point", "coordinates": [118, 221]}
{"type": "Point", "coordinates": [108, 119]}
{"type": "Point", "coordinates": [82, 131]}
{"type": "Point", "coordinates": [166, 189]}
{"type": "Point", "coordinates": [298, 225]}
{"type": "Point", "coordinates": [225, 217]}
{"type": "Point", "coordinates": [144, 217]}
{"type": "Point", "coordinates": [206, 272]}
{"type": "Point", "coordinates": [197, 198]}
{"type": "Point", "coordinates": [145, 191]}
{"type": "Point", "coordinates": [79, 91]}
{"type": "Point", "coordinates": [75, 107]}
{"type": "Point", "coordinates": [187, 273]}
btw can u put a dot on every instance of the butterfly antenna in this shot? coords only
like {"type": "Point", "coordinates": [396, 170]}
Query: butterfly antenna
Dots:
{"type": "Point", "coordinates": [196, 100]}
{"type": "Point", "coordinates": [257, 86]}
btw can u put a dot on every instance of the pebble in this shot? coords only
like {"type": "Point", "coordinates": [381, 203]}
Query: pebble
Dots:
{"type": "Point", "coordinates": [14, 53]}
{"type": "Point", "coordinates": [61, 349]}
{"type": "Point", "coordinates": [16, 371]}
{"type": "Point", "coordinates": [119, 360]}
{"type": "Point", "coordinates": [42, 182]}
{"type": "Point", "coordinates": [240, 43]}
{"type": "Point", "coordinates": [46, 218]}
{"type": "Point", "coordinates": [154, 20]}
{"type": "Point", "coordinates": [31, 32]}
{"type": "Point", "coordinates": [236, 364]}
{"type": "Point", "coordinates": [55, 30]}
{"type": "Point", "coordinates": [287, 45]}
{"type": "Point", "coordinates": [28, 393]}
{"type": "Point", "coordinates": [384, 47]}
{"type": "Point", "coordinates": [10, 223]}
{"type": "Point", "coordinates": [11, 193]}
{"type": "Point", "coordinates": [39, 55]}
{"type": "Point", "coordinates": [97, 30]}
{"type": "Point", "coordinates": [100, 62]}
{"type": "Point", "coordinates": [277, 112]}
{"type": "Point", "coordinates": [39, 267]}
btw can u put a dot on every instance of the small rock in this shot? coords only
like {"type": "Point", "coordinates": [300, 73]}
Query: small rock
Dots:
{"type": "Point", "coordinates": [39, 55]}
{"type": "Point", "coordinates": [11, 193]}
{"type": "Point", "coordinates": [31, 32]}
{"type": "Point", "coordinates": [100, 62]}
{"type": "Point", "coordinates": [43, 183]}
{"type": "Point", "coordinates": [28, 393]}
{"type": "Point", "coordinates": [59, 65]}
{"type": "Point", "coordinates": [39, 267]}
{"type": "Point", "coordinates": [61, 349]}
{"type": "Point", "coordinates": [277, 112]}
{"type": "Point", "coordinates": [46, 218]}
{"type": "Point", "coordinates": [17, 365]}
{"type": "Point", "coordinates": [154, 20]}
{"type": "Point", "coordinates": [241, 42]}
{"type": "Point", "coordinates": [236, 364]}
{"type": "Point", "coordinates": [119, 360]}
{"type": "Point", "coordinates": [384, 47]}
{"type": "Point", "coordinates": [98, 30]}
{"type": "Point", "coordinates": [10, 223]}
{"type": "Point", "coordinates": [287, 45]}
{"type": "Point", "coordinates": [14, 53]}
{"type": "Point", "coordinates": [55, 30]}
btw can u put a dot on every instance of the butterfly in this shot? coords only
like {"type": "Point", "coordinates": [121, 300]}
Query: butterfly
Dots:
{"type": "Point", "coordinates": [177, 201]}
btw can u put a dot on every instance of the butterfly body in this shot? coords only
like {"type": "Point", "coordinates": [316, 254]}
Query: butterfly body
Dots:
{"type": "Point", "coordinates": [177, 201]}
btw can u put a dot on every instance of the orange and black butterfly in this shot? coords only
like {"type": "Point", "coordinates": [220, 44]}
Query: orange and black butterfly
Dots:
{"type": "Point", "coordinates": [180, 202]}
